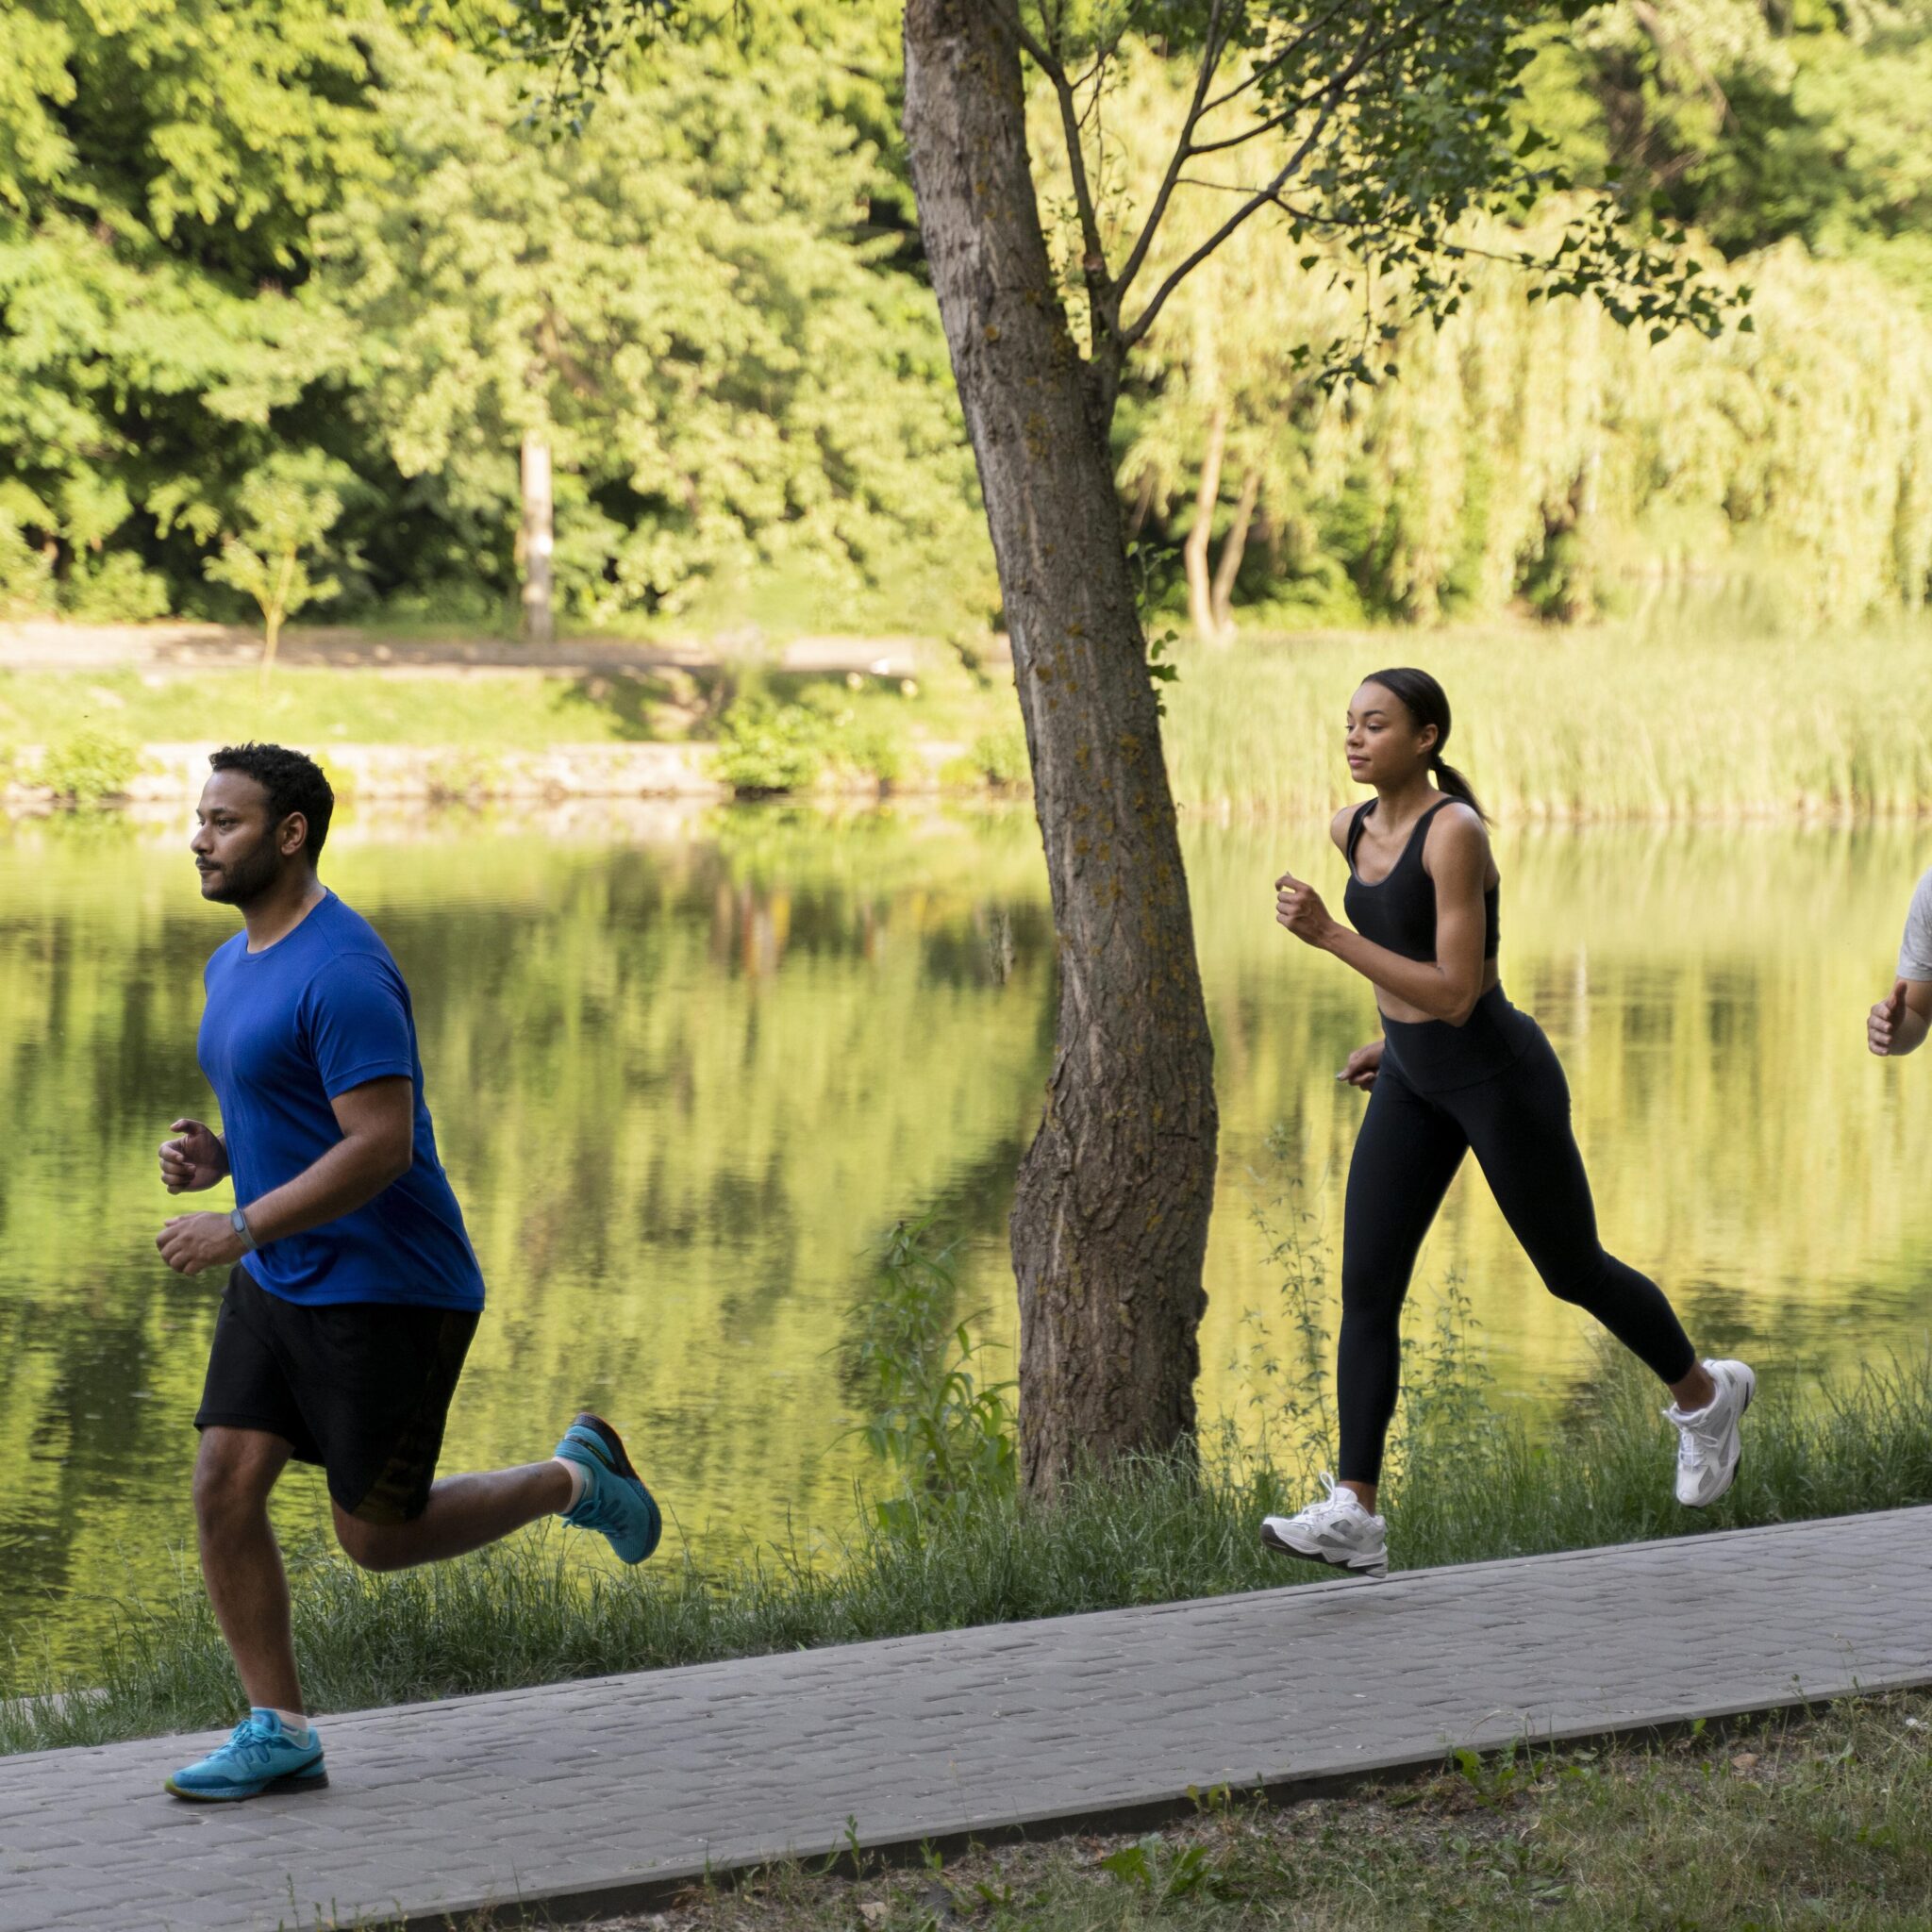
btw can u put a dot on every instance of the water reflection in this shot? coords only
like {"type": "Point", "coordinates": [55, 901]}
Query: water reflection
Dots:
{"type": "Point", "coordinates": [686, 1072]}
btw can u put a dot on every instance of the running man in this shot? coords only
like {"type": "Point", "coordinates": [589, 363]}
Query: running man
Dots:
{"type": "Point", "coordinates": [1458, 1069]}
{"type": "Point", "coordinates": [353, 1290]}
{"type": "Point", "coordinates": [1898, 1024]}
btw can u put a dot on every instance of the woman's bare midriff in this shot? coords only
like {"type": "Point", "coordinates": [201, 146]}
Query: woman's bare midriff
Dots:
{"type": "Point", "coordinates": [1393, 1009]}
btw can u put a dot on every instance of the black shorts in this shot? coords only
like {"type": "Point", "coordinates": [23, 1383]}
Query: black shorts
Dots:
{"type": "Point", "coordinates": [361, 1387]}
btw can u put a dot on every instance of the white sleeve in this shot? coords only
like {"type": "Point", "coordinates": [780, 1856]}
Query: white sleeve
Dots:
{"type": "Point", "coordinates": [1915, 953]}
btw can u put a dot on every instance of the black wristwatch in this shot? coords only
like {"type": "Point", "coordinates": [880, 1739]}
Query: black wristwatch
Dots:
{"type": "Point", "coordinates": [239, 1222]}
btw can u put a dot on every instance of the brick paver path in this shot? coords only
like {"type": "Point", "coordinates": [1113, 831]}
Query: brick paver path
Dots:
{"type": "Point", "coordinates": [594, 1795]}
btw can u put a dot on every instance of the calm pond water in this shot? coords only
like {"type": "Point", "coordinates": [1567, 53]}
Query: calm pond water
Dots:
{"type": "Point", "coordinates": [686, 1073]}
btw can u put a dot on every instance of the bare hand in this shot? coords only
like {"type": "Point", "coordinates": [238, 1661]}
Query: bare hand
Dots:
{"type": "Point", "coordinates": [1363, 1065]}
{"type": "Point", "coordinates": [191, 1242]}
{"type": "Point", "coordinates": [1881, 1024]}
{"type": "Point", "coordinates": [194, 1160]}
{"type": "Point", "coordinates": [1299, 907]}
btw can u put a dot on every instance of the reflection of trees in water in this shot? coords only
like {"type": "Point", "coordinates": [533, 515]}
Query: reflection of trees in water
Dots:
{"type": "Point", "coordinates": [1742, 1144]}
{"type": "Point", "coordinates": [672, 1157]}
{"type": "Point", "coordinates": [673, 1167]}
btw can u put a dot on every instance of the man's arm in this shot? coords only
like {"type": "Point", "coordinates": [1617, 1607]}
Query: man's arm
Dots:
{"type": "Point", "coordinates": [1899, 1023]}
{"type": "Point", "coordinates": [378, 1124]}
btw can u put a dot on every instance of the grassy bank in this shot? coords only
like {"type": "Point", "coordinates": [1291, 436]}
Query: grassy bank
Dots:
{"type": "Point", "coordinates": [1476, 1485]}
{"type": "Point", "coordinates": [1662, 721]}
{"type": "Point", "coordinates": [1820, 1823]}
{"type": "Point", "coordinates": [1659, 719]}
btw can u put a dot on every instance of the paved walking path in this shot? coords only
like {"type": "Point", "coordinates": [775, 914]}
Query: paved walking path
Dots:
{"type": "Point", "coordinates": [595, 1795]}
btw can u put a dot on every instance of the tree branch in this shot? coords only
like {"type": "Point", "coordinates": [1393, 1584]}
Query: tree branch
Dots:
{"type": "Point", "coordinates": [1093, 252]}
{"type": "Point", "coordinates": [1338, 89]}
{"type": "Point", "coordinates": [1280, 58]}
{"type": "Point", "coordinates": [1294, 109]}
{"type": "Point", "coordinates": [1183, 148]}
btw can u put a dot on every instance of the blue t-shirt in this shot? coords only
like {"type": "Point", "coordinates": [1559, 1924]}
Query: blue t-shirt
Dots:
{"type": "Point", "coordinates": [285, 1031]}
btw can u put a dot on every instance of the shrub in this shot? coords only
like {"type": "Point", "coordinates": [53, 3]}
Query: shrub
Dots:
{"type": "Point", "coordinates": [763, 747]}
{"type": "Point", "coordinates": [999, 758]}
{"type": "Point", "coordinates": [26, 576]}
{"type": "Point", "coordinates": [114, 589]}
{"type": "Point", "coordinates": [88, 767]}
{"type": "Point", "coordinates": [870, 747]}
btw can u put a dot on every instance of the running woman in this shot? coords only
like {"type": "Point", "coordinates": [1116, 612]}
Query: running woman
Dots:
{"type": "Point", "coordinates": [352, 1291]}
{"type": "Point", "coordinates": [1898, 1024]}
{"type": "Point", "coordinates": [1457, 1068]}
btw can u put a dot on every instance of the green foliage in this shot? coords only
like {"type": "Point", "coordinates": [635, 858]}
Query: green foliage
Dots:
{"type": "Point", "coordinates": [770, 744]}
{"type": "Point", "coordinates": [226, 266]}
{"type": "Point", "coordinates": [999, 758]}
{"type": "Point", "coordinates": [287, 510]}
{"type": "Point", "coordinates": [1758, 124]}
{"type": "Point", "coordinates": [157, 178]}
{"type": "Point", "coordinates": [1534, 453]}
{"type": "Point", "coordinates": [765, 747]}
{"type": "Point", "coordinates": [709, 296]}
{"type": "Point", "coordinates": [1167, 1873]}
{"type": "Point", "coordinates": [948, 1436]}
{"type": "Point", "coordinates": [88, 767]}
{"type": "Point", "coordinates": [112, 588]}
{"type": "Point", "coordinates": [674, 300]}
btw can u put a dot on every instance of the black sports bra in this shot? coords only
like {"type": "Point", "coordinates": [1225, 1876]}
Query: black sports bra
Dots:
{"type": "Point", "coordinates": [1399, 912]}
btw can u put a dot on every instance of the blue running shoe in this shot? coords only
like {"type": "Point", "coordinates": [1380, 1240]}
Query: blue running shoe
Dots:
{"type": "Point", "coordinates": [615, 1499]}
{"type": "Point", "coordinates": [259, 1759]}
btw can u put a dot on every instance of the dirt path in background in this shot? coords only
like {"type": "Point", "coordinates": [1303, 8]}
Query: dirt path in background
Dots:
{"type": "Point", "coordinates": [44, 646]}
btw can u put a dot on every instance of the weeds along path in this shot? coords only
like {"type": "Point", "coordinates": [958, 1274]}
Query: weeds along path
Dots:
{"type": "Point", "coordinates": [613, 1791]}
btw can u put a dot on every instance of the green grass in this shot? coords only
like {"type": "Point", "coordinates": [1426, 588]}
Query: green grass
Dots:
{"type": "Point", "coordinates": [1637, 720]}
{"type": "Point", "coordinates": [477, 710]}
{"type": "Point", "coordinates": [1625, 722]}
{"type": "Point", "coordinates": [1820, 1823]}
{"type": "Point", "coordinates": [1476, 1486]}
{"type": "Point", "coordinates": [493, 709]}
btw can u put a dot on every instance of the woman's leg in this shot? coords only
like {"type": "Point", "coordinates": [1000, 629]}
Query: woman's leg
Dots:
{"type": "Point", "coordinates": [1405, 1158]}
{"type": "Point", "coordinates": [1519, 1126]}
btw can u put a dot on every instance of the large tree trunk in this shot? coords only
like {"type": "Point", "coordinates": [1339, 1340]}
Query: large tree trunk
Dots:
{"type": "Point", "coordinates": [1232, 547]}
{"type": "Point", "coordinates": [535, 547]}
{"type": "Point", "coordinates": [1194, 551]}
{"type": "Point", "coordinates": [1111, 1214]}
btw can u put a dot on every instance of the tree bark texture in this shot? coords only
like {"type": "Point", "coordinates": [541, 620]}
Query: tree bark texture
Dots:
{"type": "Point", "coordinates": [537, 539]}
{"type": "Point", "coordinates": [1110, 1213]}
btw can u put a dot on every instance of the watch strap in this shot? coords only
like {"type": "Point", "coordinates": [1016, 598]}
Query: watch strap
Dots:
{"type": "Point", "coordinates": [239, 1222]}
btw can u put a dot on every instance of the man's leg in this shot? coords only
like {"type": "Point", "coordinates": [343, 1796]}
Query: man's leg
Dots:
{"type": "Point", "coordinates": [241, 1563]}
{"type": "Point", "coordinates": [463, 1513]}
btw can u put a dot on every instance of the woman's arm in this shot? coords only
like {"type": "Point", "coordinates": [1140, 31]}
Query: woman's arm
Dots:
{"type": "Point", "coordinates": [1456, 854]}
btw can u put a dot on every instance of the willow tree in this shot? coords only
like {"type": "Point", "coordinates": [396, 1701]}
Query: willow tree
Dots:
{"type": "Point", "coordinates": [1385, 124]}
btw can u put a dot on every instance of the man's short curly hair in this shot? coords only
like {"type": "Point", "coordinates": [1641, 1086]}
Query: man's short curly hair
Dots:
{"type": "Point", "coordinates": [294, 781]}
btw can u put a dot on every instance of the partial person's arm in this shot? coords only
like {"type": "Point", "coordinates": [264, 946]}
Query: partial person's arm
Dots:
{"type": "Point", "coordinates": [1363, 1064]}
{"type": "Point", "coordinates": [196, 1159]}
{"type": "Point", "coordinates": [1899, 1023]}
{"type": "Point", "coordinates": [378, 1143]}
{"type": "Point", "coordinates": [1446, 986]}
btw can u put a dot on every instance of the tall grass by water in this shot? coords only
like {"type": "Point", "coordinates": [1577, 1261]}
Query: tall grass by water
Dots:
{"type": "Point", "coordinates": [957, 1543]}
{"type": "Point", "coordinates": [1673, 719]}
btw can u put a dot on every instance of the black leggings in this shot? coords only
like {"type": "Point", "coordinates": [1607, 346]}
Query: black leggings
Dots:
{"type": "Point", "coordinates": [1410, 1145]}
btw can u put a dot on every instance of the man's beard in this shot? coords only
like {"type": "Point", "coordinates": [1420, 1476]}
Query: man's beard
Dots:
{"type": "Point", "coordinates": [249, 877]}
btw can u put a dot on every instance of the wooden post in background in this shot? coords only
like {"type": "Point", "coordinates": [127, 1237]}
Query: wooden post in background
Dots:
{"type": "Point", "coordinates": [537, 541]}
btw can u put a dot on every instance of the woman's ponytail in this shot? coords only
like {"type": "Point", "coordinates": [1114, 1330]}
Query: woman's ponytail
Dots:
{"type": "Point", "coordinates": [1455, 784]}
{"type": "Point", "coordinates": [1427, 703]}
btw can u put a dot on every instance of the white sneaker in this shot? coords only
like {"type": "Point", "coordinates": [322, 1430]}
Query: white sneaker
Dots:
{"type": "Point", "coordinates": [1709, 1446]}
{"type": "Point", "coordinates": [1336, 1530]}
